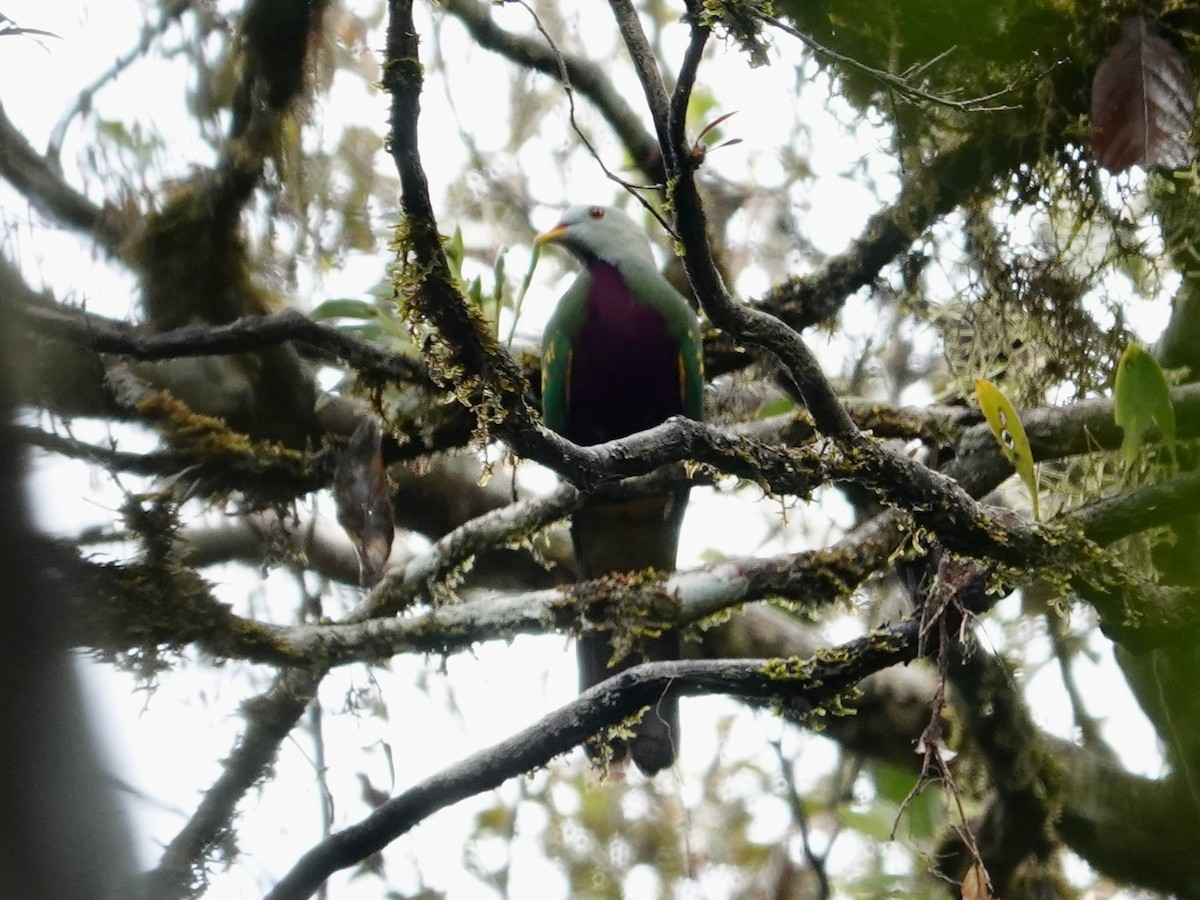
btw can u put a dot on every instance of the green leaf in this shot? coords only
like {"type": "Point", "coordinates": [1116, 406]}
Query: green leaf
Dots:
{"type": "Point", "coordinates": [475, 293]}
{"type": "Point", "coordinates": [1006, 425]}
{"type": "Point", "coordinates": [882, 821]}
{"type": "Point", "coordinates": [384, 289]}
{"type": "Point", "coordinates": [498, 289]}
{"type": "Point", "coordinates": [893, 783]}
{"type": "Point", "coordinates": [455, 254]}
{"type": "Point", "coordinates": [875, 821]}
{"type": "Point", "coordinates": [777, 407]}
{"type": "Point", "coordinates": [922, 813]}
{"type": "Point", "coordinates": [344, 308]}
{"type": "Point", "coordinates": [498, 270]}
{"type": "Point", "coordinates": [525, 282]}
{"type": "Point", "coordinates": [1141, 400]}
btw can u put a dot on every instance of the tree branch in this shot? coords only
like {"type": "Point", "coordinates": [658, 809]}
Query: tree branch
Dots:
{"type": "Point", "coordinates": [749, 325]}
{"type": "Point", "coordinates": [891, 707]}
{"type": "Point", "coordinates": [1111, 818]}
{"type": "Point", "coordinates": [270, 717]}
{"type": "Point", "coordinates": [260, 471]}
{"type": "Point", "coordinates": [39, 182]}
{"type": "Point", "coordinates": [584, 76]}
{"type": "Point", "coordinates": [927, 193]}
{"type": "Point", "coordinates": [1141, 613]}
{"type": "Point", "coordinates": [813, 684]}
{"type": "Point", "coordinates": [1018, 822]}
{"type": "Point", "coordinates": [480, 370]}
{"type": "Point", "coordinates": [245, 334]}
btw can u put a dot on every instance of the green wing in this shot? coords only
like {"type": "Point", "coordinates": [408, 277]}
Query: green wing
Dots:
{"type": "Point", "coordinates": [556, 379]}
{"type": "Point", "coordinates": [556, 354]}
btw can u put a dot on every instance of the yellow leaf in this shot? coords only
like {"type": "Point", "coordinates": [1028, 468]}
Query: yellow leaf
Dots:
{"type": "Point", "coordinates": [1010, 435]}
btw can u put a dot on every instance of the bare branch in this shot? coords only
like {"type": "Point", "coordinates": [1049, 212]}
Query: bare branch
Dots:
{"type": "Point", "coordinates": [83, 100]}
{"type": "Point", "coordinates": [902, 86]}
{"type": "Point", "coordinates": [37, 180]}
{"type": "Point", "coordinates": [584, 76]}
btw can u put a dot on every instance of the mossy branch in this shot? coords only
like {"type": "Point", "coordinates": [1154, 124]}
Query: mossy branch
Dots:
{"type": "Point", "coordinates": [814, 683]}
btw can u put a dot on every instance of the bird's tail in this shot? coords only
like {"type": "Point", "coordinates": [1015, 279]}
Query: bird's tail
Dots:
{"type": "Point", "coordinates": [630, 536]}
{"type": "Point", "coordinates": [655, 737]}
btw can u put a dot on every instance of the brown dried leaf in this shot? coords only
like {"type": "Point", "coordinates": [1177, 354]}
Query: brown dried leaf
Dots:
{"type": "Point", "coordinates": [364, 503]}
{"type": "Point", "coordinates": [975, 886]}
{"type": "Point", "coordinates": [1143, 102]}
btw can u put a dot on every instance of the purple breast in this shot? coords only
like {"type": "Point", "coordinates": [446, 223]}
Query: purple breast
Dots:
{"type": "Point", "coordinates": [624, 365]}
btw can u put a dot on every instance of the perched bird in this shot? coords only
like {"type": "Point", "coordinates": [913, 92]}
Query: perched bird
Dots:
{"type": "Point", "coordinates": [621, 354]}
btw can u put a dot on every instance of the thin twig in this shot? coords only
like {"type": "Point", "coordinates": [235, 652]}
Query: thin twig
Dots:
{"type": "Point", "coordinates": [564, 77]}
{"type": "Point", "coordinates": [816, 862]}
{"type": "Point", "coordinates": [83, 100]}
{"type": "Point", "coordinates": [586, 77]}
{"type": "Point", "coordinates": [898, 83]}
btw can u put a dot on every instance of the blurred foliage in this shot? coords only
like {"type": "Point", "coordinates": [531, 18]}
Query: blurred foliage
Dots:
{"type": "Point", "coordinates": [601, 831]}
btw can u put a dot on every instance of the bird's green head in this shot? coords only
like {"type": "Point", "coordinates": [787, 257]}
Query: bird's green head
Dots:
{"type": "Point", "coordinates": [598, 233]}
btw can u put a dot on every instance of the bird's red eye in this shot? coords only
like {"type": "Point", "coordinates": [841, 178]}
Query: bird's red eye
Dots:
{"type": "Point", "coordinates": [596, 212]}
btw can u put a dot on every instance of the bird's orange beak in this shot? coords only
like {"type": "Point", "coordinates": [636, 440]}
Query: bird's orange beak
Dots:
{"type": "Point", "coordinates": [549, 237]}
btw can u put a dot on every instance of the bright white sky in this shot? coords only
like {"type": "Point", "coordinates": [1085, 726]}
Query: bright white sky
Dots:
{"type": "Point", "coordinates": [168, 744]}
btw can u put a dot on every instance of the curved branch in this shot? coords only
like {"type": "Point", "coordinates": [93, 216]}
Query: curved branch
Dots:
{"type": "Point", "coordinates": [85, 97]}
{"type": "Point", "coordinates": [890, 707]}
{"type": "Point", "coordinates": [1111, 818]}
{"type": "Point", "coordinates": [812, 684]}
{"type": "Point", "coordinates": [750, 325]}
{"type": "Point", "coordinates": [270, 717]}
{"type": "Point", "coordinates": [245, 334]}
{"type": "Point", "coordinates": [812, 578]}
{"type": "Point", "coordinates": [583, 76]}
{"type": "Point", "coordinates": [44, 187]}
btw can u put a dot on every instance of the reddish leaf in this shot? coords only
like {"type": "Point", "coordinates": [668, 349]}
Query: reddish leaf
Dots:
{"type": "Point", "coordinates": [364, 505]}
{"type": "Point", "coordinates": [1142, 102]}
